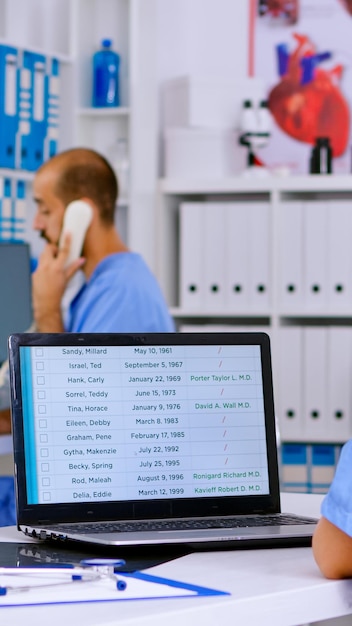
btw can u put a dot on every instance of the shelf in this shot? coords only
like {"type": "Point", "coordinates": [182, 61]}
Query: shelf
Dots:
{"type": "Point", "coordinates": [316, 183]}
{"type": "Point", "coordinates": [325, 317]}
{"type": "Point", "coordinates": [299, 316]}
{"type": "Point", "coordinates": [240, 184]}
{"type": "Point", "coordinates": [178, 313]}
{"type": "Point", "coordinates": [103, 112]}
{"type": "Point", "coordinates": [221, 185]}
{"type": "Point", "coordinates": [63, 58]}
{"type": "Point", "coordinates": [17, 174]}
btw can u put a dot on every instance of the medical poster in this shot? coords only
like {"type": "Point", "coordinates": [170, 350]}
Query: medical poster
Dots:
{"type": "Point", "coordinates": [302, 51]}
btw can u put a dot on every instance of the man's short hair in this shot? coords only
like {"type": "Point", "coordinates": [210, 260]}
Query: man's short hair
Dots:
{"type": "Point", "coordinates": [84, 173]}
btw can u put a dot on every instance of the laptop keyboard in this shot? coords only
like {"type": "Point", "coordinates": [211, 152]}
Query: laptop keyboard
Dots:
{"type": "Point", "coordinates": [279, 519]}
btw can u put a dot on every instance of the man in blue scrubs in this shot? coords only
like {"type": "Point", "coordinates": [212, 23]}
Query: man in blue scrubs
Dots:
{"type": "Point", "coordinates": [118, 291]}
{"type": "Point", "coordinates": [119, 294]}
{"type": "Point", "coordinates": [332, 540]}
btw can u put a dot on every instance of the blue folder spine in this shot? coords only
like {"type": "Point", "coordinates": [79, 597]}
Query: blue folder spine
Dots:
{"type": "Point", "coordinates": [33, 123]}
{"type": "Point", "coordinates": [52, 108]}
{"type": "Point", "coordinates": [9, 120]}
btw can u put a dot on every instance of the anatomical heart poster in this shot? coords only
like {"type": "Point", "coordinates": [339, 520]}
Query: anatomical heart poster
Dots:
{"type": "Point", "coordinates": [302, 50]}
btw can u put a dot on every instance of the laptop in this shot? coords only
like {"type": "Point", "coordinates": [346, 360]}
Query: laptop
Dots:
{"type": "Point", "coordinates": [142, 439]}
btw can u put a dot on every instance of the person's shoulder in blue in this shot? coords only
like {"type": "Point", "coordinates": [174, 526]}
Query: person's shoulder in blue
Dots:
{"type": "Point", "coordinates": [332, 540]}
{"type": "Point", "coordinates": [120, 293]}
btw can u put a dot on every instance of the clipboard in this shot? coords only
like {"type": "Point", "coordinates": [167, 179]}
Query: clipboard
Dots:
{"type": "Point", "coordinates": [46, 586]}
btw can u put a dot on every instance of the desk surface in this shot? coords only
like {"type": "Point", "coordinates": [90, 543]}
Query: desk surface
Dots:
{"type": "Point", "coordinates": [277, 587]}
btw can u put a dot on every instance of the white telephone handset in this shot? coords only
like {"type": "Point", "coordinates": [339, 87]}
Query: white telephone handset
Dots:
{"type": "Point", "coordinates": [78, 215]}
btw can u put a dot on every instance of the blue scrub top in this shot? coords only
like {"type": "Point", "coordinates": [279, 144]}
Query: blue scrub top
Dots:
{"type": "Point", "coordinates": [337, 504]}
{"type": "Point", "coordinates": [122, 295]}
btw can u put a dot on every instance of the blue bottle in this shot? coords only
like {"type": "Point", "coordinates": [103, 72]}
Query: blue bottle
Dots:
{"type": "Point", "coordinates": [106, 76]}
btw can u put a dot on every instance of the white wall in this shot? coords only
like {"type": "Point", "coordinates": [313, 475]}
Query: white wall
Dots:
{"type": "Point", "coordinates": [202, 37]}
{"type": "Point", "coordinates": [37, 23]}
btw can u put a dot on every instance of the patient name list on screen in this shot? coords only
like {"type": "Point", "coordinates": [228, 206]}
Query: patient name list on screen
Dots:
{"type": "Point", "coordinates": [129, 422]}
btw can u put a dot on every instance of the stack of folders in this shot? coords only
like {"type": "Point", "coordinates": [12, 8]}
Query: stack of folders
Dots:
{"type": "Point", "coordinates": [29, 108]}
{"type": "Point", "coordinates": [315, 256]}
{"type": "Point", "coordinates": [314, 393]}
{"type": "Point", "coordinates": [12, 209]}
{"type": "Point", "coordinates": [226, 256]}
{"type": "Point", "coordinates": [308, 468]}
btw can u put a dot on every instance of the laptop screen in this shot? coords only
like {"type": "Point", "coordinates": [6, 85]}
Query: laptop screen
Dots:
{"type": "Point", "coordinates": [130, 418]}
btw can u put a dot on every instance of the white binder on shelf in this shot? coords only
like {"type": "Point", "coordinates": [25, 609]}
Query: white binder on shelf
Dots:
{"type": "Point", "coordinates": [291, 261]}
{"type": "Point", "coordinates": [236, 278]}
{"type": "Point", "coordinates": [259, 252]}
{"type": "Point", "coordinates": [339, 255]}
{"type": "Point", "coordinates": [339, 388]}
{"type": "Point", "coordinates": [214, 255]}
{"type": "Point", "coordinates": [191, 255]}
{"type": "Point", "coordinates": [315, 255]}
{"type": "Point", "coordinates": [315, 373]}
{"type": "Point", "coordinates": [7, 221]}
{"type": "Point", "coordinates": [20, 211]}
{"type": "Point", "coordinates": [290, 383]}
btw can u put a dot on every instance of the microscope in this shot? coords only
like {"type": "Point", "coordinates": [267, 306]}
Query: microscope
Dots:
{"type": "Point", "coordinates": [255, 131]}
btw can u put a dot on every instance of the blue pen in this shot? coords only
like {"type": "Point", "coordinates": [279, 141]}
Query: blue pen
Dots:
{"type": "Point", "coordinates": [93, 570]}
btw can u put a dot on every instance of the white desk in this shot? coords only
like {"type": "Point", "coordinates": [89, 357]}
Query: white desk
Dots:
{"type": "Point", "coordinates": [278, 587]}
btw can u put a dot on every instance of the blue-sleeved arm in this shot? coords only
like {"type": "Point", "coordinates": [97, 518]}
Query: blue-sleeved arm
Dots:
{"type": "Point", "coordinates": [337, 504]}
